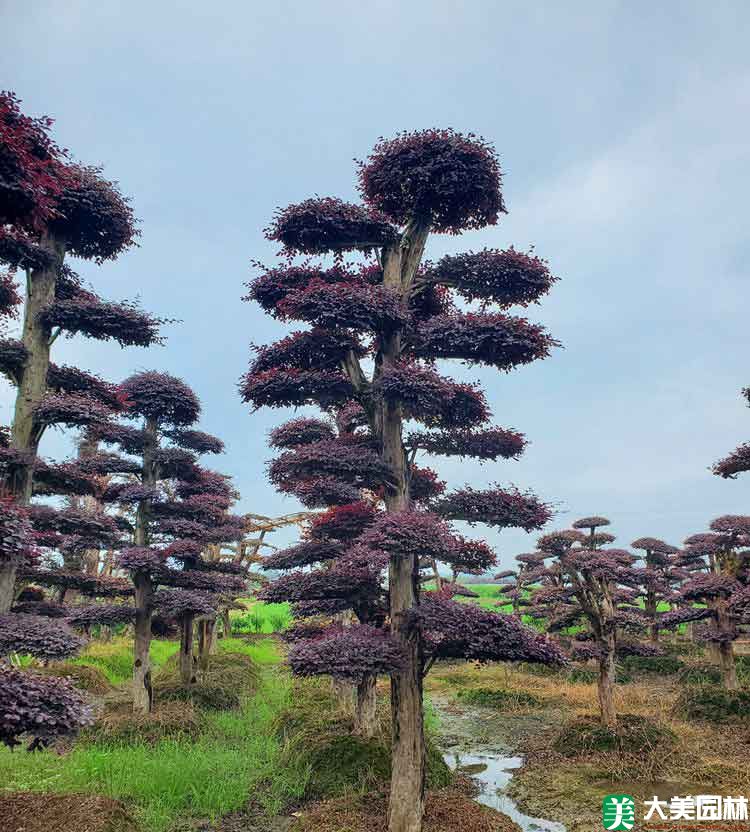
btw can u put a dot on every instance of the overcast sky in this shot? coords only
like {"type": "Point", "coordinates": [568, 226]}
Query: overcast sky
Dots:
{"type": "Point", "coordinates": [623, 133]}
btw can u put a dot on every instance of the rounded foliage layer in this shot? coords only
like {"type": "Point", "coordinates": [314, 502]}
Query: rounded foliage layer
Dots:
{"type": "Point", "coordinates": [162, 397]}
{"type": "Point", "coordinates": [448, 179]}
{"type": "Point", "coordinates": [42, 708]}
{"type": "Point", "coordinates": [318, 225]}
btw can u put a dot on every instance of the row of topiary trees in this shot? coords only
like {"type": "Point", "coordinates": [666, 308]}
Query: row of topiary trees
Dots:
{"type": "Point", "coordinates": [612, 599]}
{"type": "Point", "coordinates": [151, 506]}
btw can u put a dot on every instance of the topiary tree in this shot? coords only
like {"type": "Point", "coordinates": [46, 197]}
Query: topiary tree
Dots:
{"type": "Point", "coordinates": [51, 208]}
{"type": "Point", "coordinates": [659, 576]}
{"type": "Point", "coordinates": [176, 509]}
{"type": "Point", "coordinates": [399, 312]}
{"type": "Point", "coordinates": [718, 581]}
{"type": "Point", "coordinates": [585, 581]}
{"type": "Point", "coordinates": [739, 460]}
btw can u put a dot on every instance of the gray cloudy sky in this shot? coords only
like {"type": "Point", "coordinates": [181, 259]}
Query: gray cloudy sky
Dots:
{"type": "Point", "coordinates": [622, 128]}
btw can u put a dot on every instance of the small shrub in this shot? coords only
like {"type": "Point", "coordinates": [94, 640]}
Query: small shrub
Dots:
{"type": "Point", "coordinates": [206, 697]}
{"type": "Point", "coordinates": [686, 649]}
{"type": "Point", "coordinates": [633, 734]}
{"type": "Point", "coordinates": [588, 676]}
{"type": "Point", "coordinates": [665, 665]}
{"type": "Point", "coordinates": [278, 621]}
{"type": "Point", "coordinates": [229, 677]}
{"type": "Point", "coordinates": [700, 674]}
{"type": "Point", "coordinates": [582, 676]}
{"type": "Point", "coordinates": [86, 677]}
{"type": "Point", "coordinates": [713, 703]}
{"type": "Point", "coordinates": [743, 668]}
{"type": "Point", "coordinates": [502, 700]}
{"type": "Point", "coordinates": [534, 669]}
{"type": "Point", "coordinates": [118, 725]}
{"type": "Point", "coordinates": [319, 745]}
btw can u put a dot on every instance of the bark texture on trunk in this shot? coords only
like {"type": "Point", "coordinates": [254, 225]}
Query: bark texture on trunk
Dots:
{"type": "Point", "coordinates": [728, 666]}
{"type": "Point", "coordinates": [726, 648]}
{"type": "Point", "coordinates": [345, 694]}
{"type": "Point", "coordinates": [651, 612]}
{"type": "Point", "coordinates": [32, 385]}
{"type": "Point", "coordinates": [7, 586]}
{"type": "Point", "coordinates": [206, 643]}
{"type": "Point", "coordinates": [187, 663]}
{"type": "Point", "coordinates": [142, 691]}
{"type": "Point", "coordinates": [226, 624]}
{"type": "Point", "coordinates": [607, 683]}
{"type": "Point", "coordinates": [365, 712]}
{"type": "Point", "coordinates": [406, 805]}
{"type": "Point", "coordinates": [144, 590]}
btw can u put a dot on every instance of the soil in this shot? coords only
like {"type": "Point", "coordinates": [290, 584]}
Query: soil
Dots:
{"type": "Point", "coordinates": [446, 810]}
{"type": "Point", "coordinates": [30, 812]}
{"type": "Point", "coordinates": [465, 727]}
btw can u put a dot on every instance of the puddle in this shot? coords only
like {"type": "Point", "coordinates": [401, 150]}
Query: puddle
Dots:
{"type": "Point", "coordinates": [493, 773]}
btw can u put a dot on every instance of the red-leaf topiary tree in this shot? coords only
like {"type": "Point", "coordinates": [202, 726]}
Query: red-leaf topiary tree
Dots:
{"type": "Point", "coordinates": [659, 577]}
{"type": "Point", "coordinates": [51, 208]}
{"type": "Point", "coordinates": [177, 509]}
{"type": "Point", "coordinates": [717, 581]}
{"type": "Point", "coordinates": [587, 582]}
{"type": "Point", "coordinates": [398, 312]}
{"type": "Point", "coordinates": [739, 460]}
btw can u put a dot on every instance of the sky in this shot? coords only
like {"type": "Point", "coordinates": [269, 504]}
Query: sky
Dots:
{"type": "Point", "coordinates": [622, 130]}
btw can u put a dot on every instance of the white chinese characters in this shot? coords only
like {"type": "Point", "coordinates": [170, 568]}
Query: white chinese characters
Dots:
{"type": "Point", "coordinates": [701, 807]}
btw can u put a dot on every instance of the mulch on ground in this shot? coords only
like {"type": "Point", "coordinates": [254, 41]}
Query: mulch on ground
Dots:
{"type": "Point", "coordinates": [30, 812]}
{"type": "Point", "coordinates": [446, 810]}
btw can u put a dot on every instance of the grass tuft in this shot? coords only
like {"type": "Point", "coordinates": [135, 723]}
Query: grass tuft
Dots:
{"type": "Point", "coordinates": [499, 699]}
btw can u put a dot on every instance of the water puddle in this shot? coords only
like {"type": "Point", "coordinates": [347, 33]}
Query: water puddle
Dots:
{"type": "Point", "coordinates": [493, 773]}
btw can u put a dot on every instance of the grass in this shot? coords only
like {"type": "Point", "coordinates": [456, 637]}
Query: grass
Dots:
{"type": "Point", "coordinates": [498, 698]}
{"type": "Point", "coordinates": [260, 617]}
{"type": "Point", "coordinates": [115, 658]}
{"type": "Point", "coordinates": [238, 753]}
{"type": "Point", "coordinates": [263, 653]}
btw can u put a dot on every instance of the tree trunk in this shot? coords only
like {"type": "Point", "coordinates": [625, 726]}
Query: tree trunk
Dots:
{"type": "Point", "coordinates": [32, 385]}
{"type": "Point", "coordinates": [727, 665]}
{"type": "Point", "coordinates": [406, 805]}
{"type": "Point", "coordinates": [725, 647]}
{"type": "Point", "coordinates": [607, 683]}
{"type": "Point", "coordinates": [142, 691]}
{"type": "Point", "coordinates": [344, 693]}
{"type": "Point", "coordinates": [187, 663]}
{"type": "Point", "coordinates": [226, 623]}
{"type": "Point", "coordinates": [651, 612]}
{"type": "Point", "coordinates": [205, 641]}
{"type": "Point", "coordinates": [438, 577]}
{"type": "Point", "coordinates": [144, 590]}
{"type": "Point", "coordinates": [365, 720]}
{"type": "Point", "coordinates": [7, 586]}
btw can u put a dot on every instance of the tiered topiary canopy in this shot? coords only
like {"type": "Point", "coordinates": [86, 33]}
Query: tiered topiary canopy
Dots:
{"type": "Point", "coordinates": [170, 525]}
{"type": "Point", "coordinates": [584, 582]}
{"type": "Point", "coordinates": [716, 588]}
{"type": "Point", "coordinates": [50, 209]}
{"type": "Point", "coordinates": [400, 314]}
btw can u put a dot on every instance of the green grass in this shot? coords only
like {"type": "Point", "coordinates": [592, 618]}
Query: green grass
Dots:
{"type": "Point", "coordinates": [261, 617]}
{"type": "Point", "coordinates": [237, 754]}
{"type": "Point", "coordinates": [263, 652]}
{"type": "Point", "coordinates": [115, 658]}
